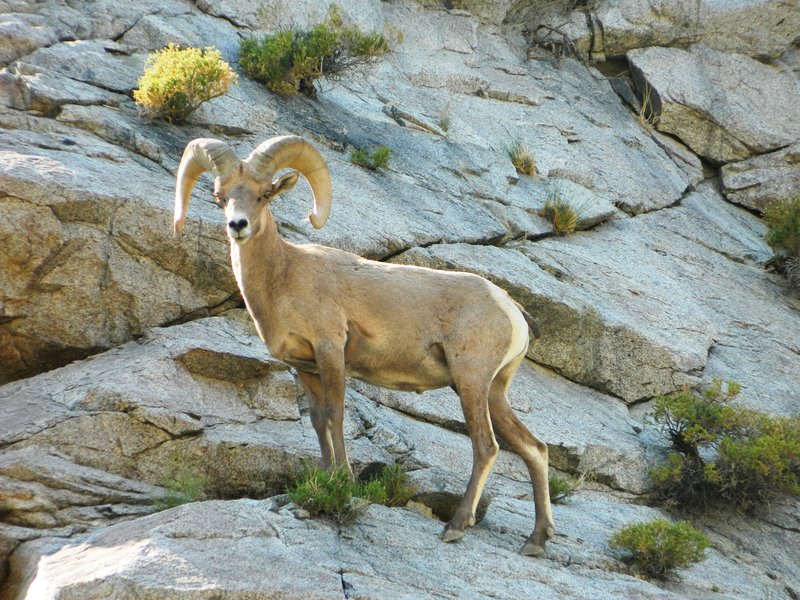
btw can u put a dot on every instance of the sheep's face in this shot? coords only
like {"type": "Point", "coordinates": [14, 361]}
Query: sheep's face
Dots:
{"type": "Point", "coordinates": [245, 200]}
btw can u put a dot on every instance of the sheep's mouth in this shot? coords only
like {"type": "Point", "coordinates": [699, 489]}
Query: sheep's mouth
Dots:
{"type": "Point", "coordinates": [240, 238]}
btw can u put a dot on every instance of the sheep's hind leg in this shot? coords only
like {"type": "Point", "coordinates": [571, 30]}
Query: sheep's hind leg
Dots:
{"type": "Point", "coordinates": [484, 452]}
{"type": "Point", "coordinates": [531, 450]}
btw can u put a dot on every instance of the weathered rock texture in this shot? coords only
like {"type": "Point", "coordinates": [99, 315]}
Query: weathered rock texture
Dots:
{"type": "Point", "coordinates": [124, 372]}
{"type": "Point", "coordinates": [604, 29]}
{"type": "Point", "coordinates": [756, 182]}
{"type": "Point", "coordinates": [725, 107]}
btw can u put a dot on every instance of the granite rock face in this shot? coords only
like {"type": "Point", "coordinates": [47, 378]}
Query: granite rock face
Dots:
{"type": "Point", "coordinates": [756, 182]}
{"type": "Point", "coordinates": [130, 379]}
{"type": "Point", "coordinates": [725, 107]}
{"type": "Point", "coordinates": [608, 29]}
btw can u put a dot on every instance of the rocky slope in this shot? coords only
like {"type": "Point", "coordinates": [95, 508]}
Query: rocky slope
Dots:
{"type": "Point", "coordinates": [126, 360]}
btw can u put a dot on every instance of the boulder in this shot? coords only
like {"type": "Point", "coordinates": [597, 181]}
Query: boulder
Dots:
{"type": "Point", "coordinates": [756, 182]}
{"type": "Point", "coordinates": [726, 107]}
{"type": "Point", "coordinates": [242, 549]}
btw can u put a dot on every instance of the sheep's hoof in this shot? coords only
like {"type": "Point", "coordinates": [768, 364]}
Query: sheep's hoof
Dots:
{"type": "Point", "coordinates": [452, 535]}
{"type": "Point", "coordinates": [532, 549]}
{"type": "Point", "coordinates": [535, 544]}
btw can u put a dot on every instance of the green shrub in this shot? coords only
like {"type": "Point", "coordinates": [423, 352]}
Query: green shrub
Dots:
{"type": "Point", "coordinates": [783, 226]}
{"type": "Point", "coordinates": [184, 483]}
{"type": "Point", "coordinates": [291, 60]}
{"type": "Point", "coordinates": [724, 455]}
{"type": "Point", "coordinates": [378, 159]}
{"type": "Point", "coordinates": [521, 157]}
{"type": "Point", "coordinates": [178, 80]}
{"type": "Point", "coordinates": [335, 495]}
{"type": "Point", "coordinates": [394, 480]}
{"type": "Point", "coordinates": [560, 488]}
{"type": "Point", "coordinates": [658, 547]}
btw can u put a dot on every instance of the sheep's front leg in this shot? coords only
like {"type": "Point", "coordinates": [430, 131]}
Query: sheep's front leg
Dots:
{"type": "Point", "coordinates": [329, 357]}
{"type": "Point", "coordinates": [319, 417]}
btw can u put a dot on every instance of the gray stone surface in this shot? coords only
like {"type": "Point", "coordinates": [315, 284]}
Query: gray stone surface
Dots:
{"type": "Point", "coordinates": [662, 286]}
{"type": "Point", "coordinates": [725, 107]}
{"type": "Point", "coordinates": [756, 182]}
{"type": "Point", "coordinates": [388, 553]}
{"type": "Point", "coordinates": [605, 29]}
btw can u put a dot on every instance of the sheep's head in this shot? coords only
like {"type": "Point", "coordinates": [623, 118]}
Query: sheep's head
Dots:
{"type": "Point", "coordinates": [245, 187]}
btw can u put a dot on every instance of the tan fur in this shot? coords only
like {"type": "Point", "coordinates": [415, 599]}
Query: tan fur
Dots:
{"type": "Point", "coordinates": [331, 314]}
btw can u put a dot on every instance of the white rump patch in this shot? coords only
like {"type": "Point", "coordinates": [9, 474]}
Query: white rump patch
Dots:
{"type": "Point", "coordinates": [519, 326]}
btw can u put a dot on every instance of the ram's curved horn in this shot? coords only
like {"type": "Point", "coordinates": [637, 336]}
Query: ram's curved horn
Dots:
{"type": "Point", "coordinates": [201, 154]}
{"type": "Point", "coordinates": [293, 152]}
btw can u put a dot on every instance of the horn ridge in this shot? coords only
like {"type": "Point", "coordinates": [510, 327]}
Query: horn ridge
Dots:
{"type": "Point", "coordinates": [200, 155]}
{"type": "Point", "coordinates": [293, 152]}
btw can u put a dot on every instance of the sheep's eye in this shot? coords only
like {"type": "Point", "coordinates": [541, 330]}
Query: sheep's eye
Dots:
{"type": "Point", "coordinates": [220, 201]}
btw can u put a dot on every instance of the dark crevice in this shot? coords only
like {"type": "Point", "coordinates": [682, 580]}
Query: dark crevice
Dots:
{"type": "Point", "coordinates": [497, 241]}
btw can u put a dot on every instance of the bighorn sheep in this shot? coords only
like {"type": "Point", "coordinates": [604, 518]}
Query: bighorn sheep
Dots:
{"type": "Point", "coordinates": [330, 314]}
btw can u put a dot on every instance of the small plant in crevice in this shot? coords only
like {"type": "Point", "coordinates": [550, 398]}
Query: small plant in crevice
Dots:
{"type": "Point", "coordinates": [335, 495]}
{"type": "Point", "coordinates": [724, 456]}
{"type": "Point", "coordinates": [562, 214]}
{"type": "Point", "coordinates": [394, 480]}
{"type": "Point", "coordinates": [782, 218]}
{"type": "Point", "coordinates": [561, 488]}
{"type": "Point", "coordinates": [647, 117]}
{"type": "Point", "coordinates": [178, 80]}
{"type": "Point", "coordinates": [444, 119]}
{"type": "Point", "coordinates": [521, 157]}
{"type": "Point", "coordinates": [292, 59]}
{"type": "Point", "coordinates": [657, 548]}
{"type": "Point", "coordinates": [377, 159]}
{"type": "Point", "coordinates": [184, 483]}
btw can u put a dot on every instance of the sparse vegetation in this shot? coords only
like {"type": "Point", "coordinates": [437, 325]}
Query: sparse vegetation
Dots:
{"type": "Point", "coordinates": [521, 157]}
{"type": "Point", "coordinates": [783, 235]}
{"type": "Point", "coordinates": [724, 455]}
{"type": "Point", "coordinates": [292, 60]}
{"type": "Point", "coordinates": [178, 80]}
{"type": "Point", "coordinates": [561, 489]}
{"type": "Point", "coordinates": [184, 483]}
{"type": "Point", "coordinates": [444, 119]}
{"type": "Point", "coordinates": [647, 116]}
{"type": "Point", "coordinates": [562, 214]}
{"type": "Point", "coordinates": [377, 159]}
{"type": "Point", "coordinates": [658, 547]}
{"type": "Point", "coordinates": [394, 479]}
{"type": "Point", "coordinates": [335, 495]}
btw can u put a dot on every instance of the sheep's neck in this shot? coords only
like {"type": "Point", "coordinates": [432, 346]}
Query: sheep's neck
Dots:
{"type": "Point", "coordinates": [260, 269]}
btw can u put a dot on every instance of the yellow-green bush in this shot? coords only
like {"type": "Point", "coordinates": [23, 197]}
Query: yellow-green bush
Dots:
{"type": "Point", "coordinates": [724, 455]}
{"type": "Point", "coordinates": [292, 60]}
{"type": "Point", "coordinates": [658, 547]}
{"type": "Point", "coordinates": [783, 235]}
{"type": "Point", "coordinates": [783, 222]}
{"type": "Point", "coordinates": [178, 80]}
{"type": "Point", "coordinates": [521, 157]}
{"type": "Point", "coordinates": [561, 213]}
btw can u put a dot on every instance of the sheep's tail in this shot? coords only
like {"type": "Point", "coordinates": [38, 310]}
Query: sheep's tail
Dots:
{"type": "Point", "coordinates": [532, 324]}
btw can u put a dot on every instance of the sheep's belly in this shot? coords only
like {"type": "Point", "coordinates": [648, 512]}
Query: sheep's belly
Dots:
{"type": "Point", "coordinates": [404, 383]}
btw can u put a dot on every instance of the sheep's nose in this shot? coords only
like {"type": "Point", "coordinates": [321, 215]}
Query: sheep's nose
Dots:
{"type": "Point", "coordinates": [237, 226]}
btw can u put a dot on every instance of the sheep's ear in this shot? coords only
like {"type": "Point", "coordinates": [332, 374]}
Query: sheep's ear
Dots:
{"type": "Point", "coordinates": [284, 183]}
